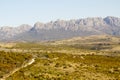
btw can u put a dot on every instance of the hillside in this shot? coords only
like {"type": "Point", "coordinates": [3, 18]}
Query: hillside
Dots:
{"type": "Point", "coordinates": [61, 29]}
{"type": "Point", "coordinates": [79, 58]}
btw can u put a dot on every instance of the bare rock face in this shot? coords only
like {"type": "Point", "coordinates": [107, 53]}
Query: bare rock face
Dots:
{"type": "Point", "coordinates": [61, 29]}
{"type": "Point", "coordinates": [9, 32]}
{"type": "Point", "coordinates": [113, 21]}
{"type": "Point", "coordinates": [39, 25]}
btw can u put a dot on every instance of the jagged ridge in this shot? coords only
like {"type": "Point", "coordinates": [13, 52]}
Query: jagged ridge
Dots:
{"type": "Point", "coordinates": [62, 29]}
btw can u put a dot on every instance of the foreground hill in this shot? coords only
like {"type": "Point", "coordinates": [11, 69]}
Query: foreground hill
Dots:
{"type": "Point", "coordinates": [62, 29]}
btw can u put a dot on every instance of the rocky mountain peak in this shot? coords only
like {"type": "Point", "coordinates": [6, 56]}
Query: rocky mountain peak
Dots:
{"type": "Point", "coordinates": [38, 25]}
{"type": "Point", "coordinates": [113, 21]}
{"type": "Point", "coordinates": [61, 29]}
{"type": "Point", "coordinates": [24, 27]}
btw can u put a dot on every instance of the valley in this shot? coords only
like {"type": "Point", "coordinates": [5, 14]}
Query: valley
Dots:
{"type": "Point", "coordinates": [79, 58]}
{"type": "Point", "coordinates": [59, 39]}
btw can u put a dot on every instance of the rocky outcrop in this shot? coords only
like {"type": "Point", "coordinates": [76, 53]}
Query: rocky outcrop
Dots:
{"type": "Point", "coordinates": [61, 29]}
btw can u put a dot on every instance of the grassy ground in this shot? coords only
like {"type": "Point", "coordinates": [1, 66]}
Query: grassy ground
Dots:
{"type": "Point", "coordinates": [57, 66]}
{"type": "Point", "coordinates": [87, 58]}
{"type": "Point", "coordinates": [11, 60]}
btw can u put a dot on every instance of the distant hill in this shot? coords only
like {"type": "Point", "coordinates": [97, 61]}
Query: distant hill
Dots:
{"type": "Point", "coordinates": [62, 29]}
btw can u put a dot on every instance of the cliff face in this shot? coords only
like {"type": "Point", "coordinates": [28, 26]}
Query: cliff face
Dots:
{"type": "Point", "coordinates": [61, 29]}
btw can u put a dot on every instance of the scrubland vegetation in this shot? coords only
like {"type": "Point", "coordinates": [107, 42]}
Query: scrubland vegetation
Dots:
{"type": "Point", "coordinates": [57, 66]}
{"type": "Point", "coordinates": [78, 59]}
{"type": "Point", "coordinates": [12, 60]}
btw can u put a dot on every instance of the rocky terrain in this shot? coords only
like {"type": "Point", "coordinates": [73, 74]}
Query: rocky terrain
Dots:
{"type": "Point", "coordinates": [61, 29]}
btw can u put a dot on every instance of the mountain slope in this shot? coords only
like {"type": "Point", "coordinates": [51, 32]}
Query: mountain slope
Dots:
{"type": "Point", "coordinates": [61, 29]}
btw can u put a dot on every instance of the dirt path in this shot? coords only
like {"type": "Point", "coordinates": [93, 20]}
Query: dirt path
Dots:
{"type": "Point", "coordinates": [17, 69]}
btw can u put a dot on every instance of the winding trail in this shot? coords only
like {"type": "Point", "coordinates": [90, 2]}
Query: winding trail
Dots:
{"type": "Point", "coordinates": [17, 69]}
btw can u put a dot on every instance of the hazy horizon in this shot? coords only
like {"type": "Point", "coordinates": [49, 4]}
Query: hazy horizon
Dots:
{"type": "Point", "coordinates": [54, 21]}
{"type": "Point", "coordinates": [15, 13]}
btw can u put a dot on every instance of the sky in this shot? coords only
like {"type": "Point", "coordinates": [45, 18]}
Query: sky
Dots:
{"type": "Point", "coordinates": [17, 12]}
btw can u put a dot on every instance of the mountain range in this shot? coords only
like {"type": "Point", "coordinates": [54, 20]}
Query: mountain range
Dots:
{"type": "Point", "coordinates": [62, 29]}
